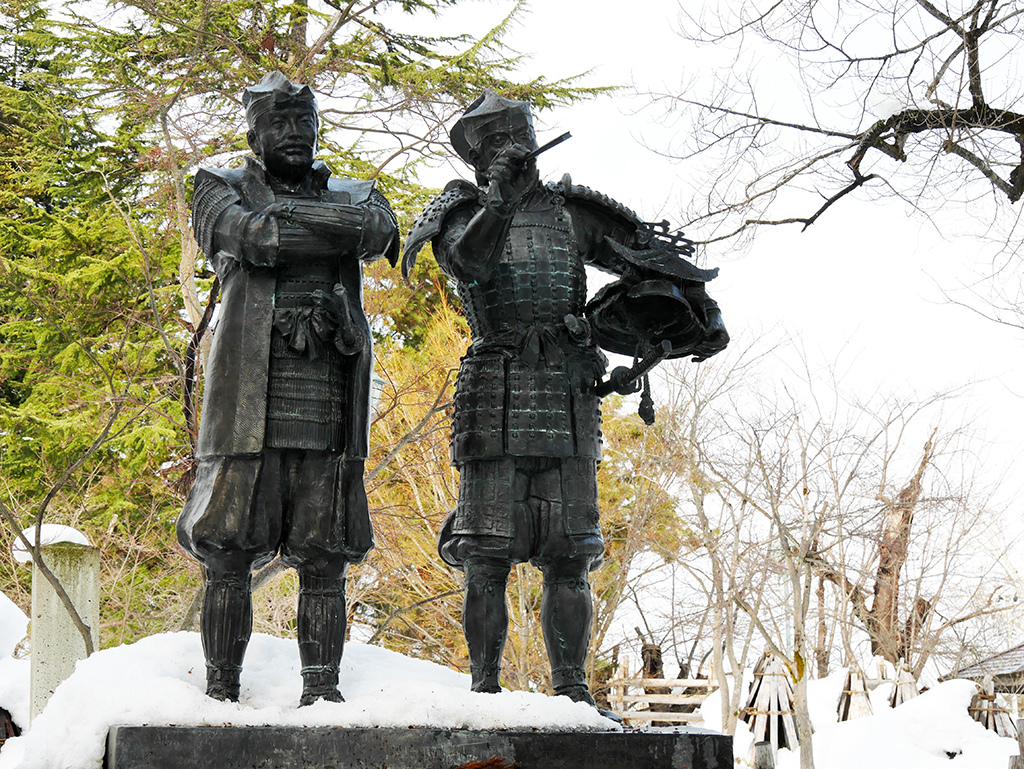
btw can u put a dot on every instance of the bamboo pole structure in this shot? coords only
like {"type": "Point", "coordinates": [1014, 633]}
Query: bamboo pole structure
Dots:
{"type": "Point", "coordinates": [905, 687]}
{"type": "Point", "coordinates": [769, 708]}
{"type": "Point", "coordinates": [988, 709]}
{"type": "Point", "coordinates": [635, 708]}
{"type": "Point", "coordinates": [1017, 762]}
{"type": "Point", "coordinates": [854, 702]}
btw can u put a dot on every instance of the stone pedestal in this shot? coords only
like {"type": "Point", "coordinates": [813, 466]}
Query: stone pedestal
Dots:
{"type": "Point", "coordinates": [56, 643]}
{"type": "Point", "coordinates": [279, 747]}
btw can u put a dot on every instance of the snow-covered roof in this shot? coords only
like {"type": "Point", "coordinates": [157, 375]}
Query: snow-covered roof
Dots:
{"type": "Point", "coordinates": [1007, 663]}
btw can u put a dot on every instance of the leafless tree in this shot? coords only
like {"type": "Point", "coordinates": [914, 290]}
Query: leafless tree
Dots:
{"type": "Point", "coordinates": [819, 525]}
{"type": "Point", "coordinates": [908, 563]}
{"type": "Point", "coordinates": [816, 103]}
{"type": "Point", "coordinates": [726, 542]}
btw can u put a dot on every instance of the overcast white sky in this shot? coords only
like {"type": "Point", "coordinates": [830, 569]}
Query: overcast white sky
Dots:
{"type": "Point", "coordinates": [862, 289]}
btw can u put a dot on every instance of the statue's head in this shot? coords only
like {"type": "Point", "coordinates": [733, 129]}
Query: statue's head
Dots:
{"type": "Point", "coordinates": [490, 124]}
{"type": "Point", "coordinates": [283, 121]}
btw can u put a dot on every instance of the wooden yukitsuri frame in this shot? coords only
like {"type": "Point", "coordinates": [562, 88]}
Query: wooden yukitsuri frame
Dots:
{"type": "Point", "coordinates": [769, 708]}
{"type": "Point", "coordinates": [854, 702]}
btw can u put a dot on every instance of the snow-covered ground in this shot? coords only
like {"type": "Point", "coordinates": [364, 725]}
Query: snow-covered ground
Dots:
{"type": "Point", "coordinates": [14, 673]}
{"type": "Point", "coordinates": [160, 680]}
{"type": "Point", "coordinates": [930, 731]}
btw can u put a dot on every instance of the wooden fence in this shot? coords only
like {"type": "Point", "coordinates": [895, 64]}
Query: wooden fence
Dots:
{"type": "Point", "coordinates": [654, 700]}
{"type": "Point", "coordinates": [1016, 762]}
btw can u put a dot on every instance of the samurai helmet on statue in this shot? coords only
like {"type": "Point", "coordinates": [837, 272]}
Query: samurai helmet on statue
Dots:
{"type": "Point", "coordinates": [275, 91]}
{"type": "Point", "coordinates": [487, 115]}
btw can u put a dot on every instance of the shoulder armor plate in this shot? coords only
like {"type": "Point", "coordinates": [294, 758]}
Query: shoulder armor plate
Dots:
{"type": "Point", "coordinates": [215, 189]}
{"type": "Point", "coordinates": [570, 191]}
{"type": "Point", "coordinates": [428, 224]}
{"type": "Point", "coordinates": [232, 176]}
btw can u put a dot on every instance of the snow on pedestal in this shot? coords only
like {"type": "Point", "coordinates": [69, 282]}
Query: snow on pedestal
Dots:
{"type": "Point", "coordinates": [49, 534]}
{"type": "Point", "coordinates": [162, 680]}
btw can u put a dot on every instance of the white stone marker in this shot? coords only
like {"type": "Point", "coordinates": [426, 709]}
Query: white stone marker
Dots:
{"type": "Point", "coordinates": [56, 643]}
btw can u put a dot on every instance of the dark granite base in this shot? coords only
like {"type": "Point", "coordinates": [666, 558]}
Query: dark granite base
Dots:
{"type": "Point", "coordinates": [281, 747]}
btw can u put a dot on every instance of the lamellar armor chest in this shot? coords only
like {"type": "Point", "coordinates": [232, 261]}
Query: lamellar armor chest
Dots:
{"type": "Point", "coordinates": [526, 387]}
{"type": "Point", "coordinates": [539, 279]}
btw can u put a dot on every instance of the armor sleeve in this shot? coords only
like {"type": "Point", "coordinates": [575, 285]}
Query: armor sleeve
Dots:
{"type": "Point", "coordinates": [616, 240]}
{"type": "Point", "coordinates": [223, 226]}
{"type": "Point", "coordinates": [382, 238]}
{"type": "Point", "coordinates": [597, 219]}
{"type": "Point", "coordinates": [316, 226]}
{"type": "Point", "coordinates": [472, 250]}
{"type": "Point", "coordinates": [211, 197]}
{"type": "Point", "coordinates": [593, 231]}
{"type": "Point", "coordinates": [428, 224]}
{"type": "Point", "coordinates": [368, 229]}
{"type": "Point", "coordinates": [444, 242]}
{"type": "Point", "coordinates": [248, 236]}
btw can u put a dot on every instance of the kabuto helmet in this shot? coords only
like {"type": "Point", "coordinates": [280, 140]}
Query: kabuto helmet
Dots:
{"type": "Point", "coordinates": [275, 91]}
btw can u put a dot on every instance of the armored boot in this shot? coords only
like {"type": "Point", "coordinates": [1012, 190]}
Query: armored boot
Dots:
{"type": "Point", "coordinates": [321, 631]}
{"type": "Point", "coordinates": [226, 624]}
{"type": "Point", "coordinates": [566, 612]}
{"type": "Point", "coordinates": [485, 621]}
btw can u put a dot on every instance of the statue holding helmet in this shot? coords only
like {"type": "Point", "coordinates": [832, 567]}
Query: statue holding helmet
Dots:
{"type": "Point", "coordinates": [526, 433]}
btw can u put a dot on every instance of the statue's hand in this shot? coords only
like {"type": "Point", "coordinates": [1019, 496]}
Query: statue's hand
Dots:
{"type": "Point", "coordinates": [508, 182]}
{"type": "Point", "coordinates": [281, 211]}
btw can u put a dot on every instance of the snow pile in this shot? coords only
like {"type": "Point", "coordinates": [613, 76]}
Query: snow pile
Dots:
{"type": "Point", "coordinates": [14, 674]}
{"type": "Point", "coordinates": [161, 680]}
{"type": "Point", "coordinates": [930, 731]}
{"type": "Point", "coordinates": [13, 625]}
{"type": "Point", "coordinates": [51, 534]}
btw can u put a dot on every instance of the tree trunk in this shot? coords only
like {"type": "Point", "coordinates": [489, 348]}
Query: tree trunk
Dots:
{"type": "Point", "coordinates": [821, 648]}
{"type": "Point", "coordinates": [297, 32]}
{"type": "Point", "coordinates": [887, 637]}
{"type": "Point", "coordinates": [803, 721]}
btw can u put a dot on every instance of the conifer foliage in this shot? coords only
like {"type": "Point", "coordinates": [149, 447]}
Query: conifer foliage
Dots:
{"type": "Point", "coordinates": [105, 113]}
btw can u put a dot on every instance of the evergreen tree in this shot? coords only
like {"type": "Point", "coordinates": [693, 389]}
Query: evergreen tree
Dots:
{"type": "Point", "coordinates": [104, 115]}
{"type": "Point", "coordinates": [87, 413]}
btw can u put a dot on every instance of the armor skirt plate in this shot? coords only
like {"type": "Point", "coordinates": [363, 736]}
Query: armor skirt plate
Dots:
{"type": "Point", "coordinates": [526, 509]}
{"type": "Point", "coordinates": [504, 407]}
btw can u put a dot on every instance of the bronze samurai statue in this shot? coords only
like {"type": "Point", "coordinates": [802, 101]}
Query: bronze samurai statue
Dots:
{"type": "Point", "coordinates": [526, 435]}
{"type": "Point", "coordinates": [283, 435]}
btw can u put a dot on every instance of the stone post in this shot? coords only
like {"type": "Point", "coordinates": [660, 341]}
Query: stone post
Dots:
{"type": "Point", "coordinates": [764, 755]}
{"type": "Point", "coordinates": [56, 643]}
